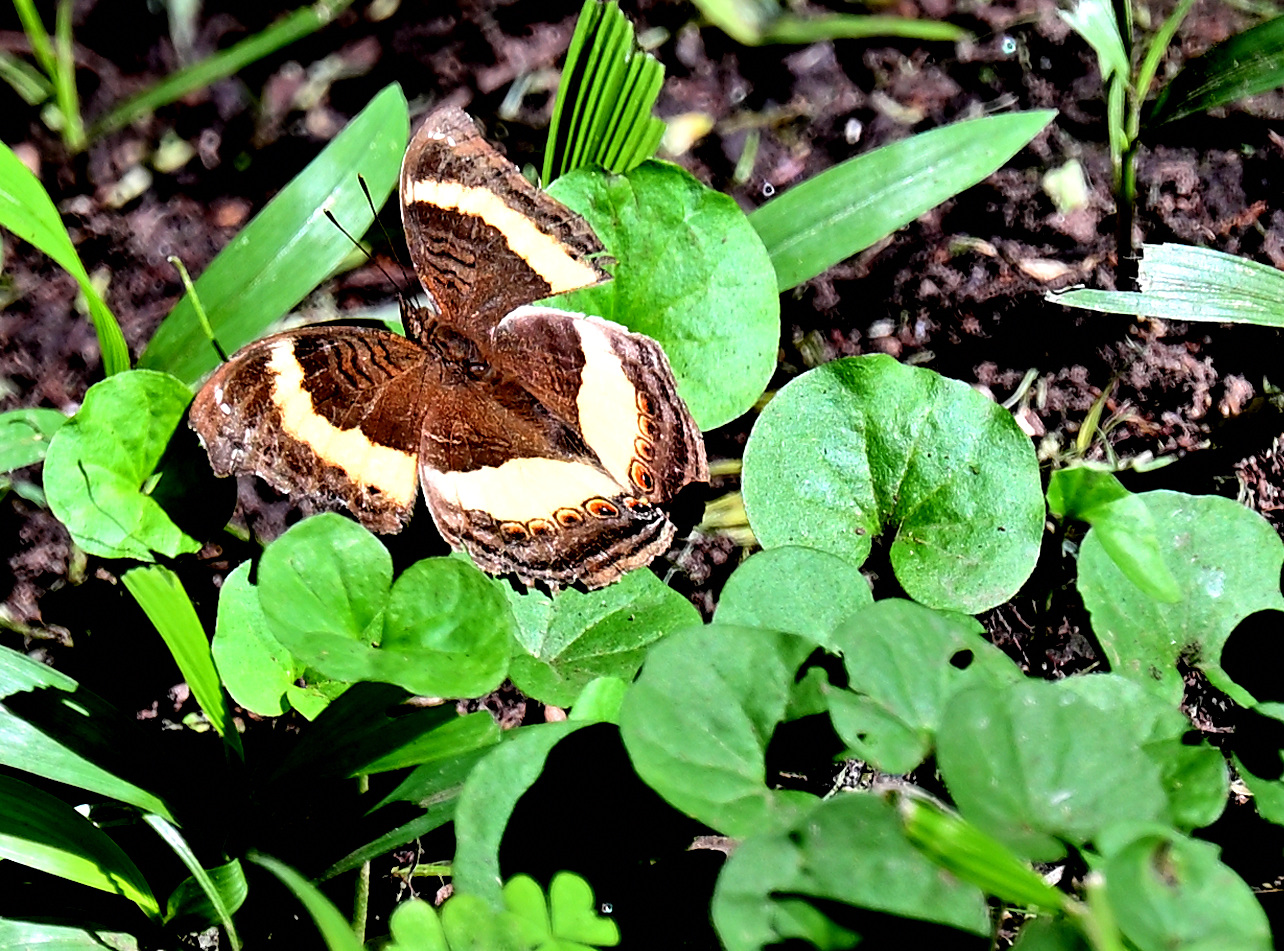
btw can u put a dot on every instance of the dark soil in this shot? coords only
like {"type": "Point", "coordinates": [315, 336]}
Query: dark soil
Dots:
{"type": "Point", "coordinates": [961, 290]}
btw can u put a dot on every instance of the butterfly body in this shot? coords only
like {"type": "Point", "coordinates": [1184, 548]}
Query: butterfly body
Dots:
{"type": "Point", "coordinates": [547, 444]}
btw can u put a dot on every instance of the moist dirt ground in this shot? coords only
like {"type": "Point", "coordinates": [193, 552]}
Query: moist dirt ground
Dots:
{"type": "Point", "coordinates": [961, 290]}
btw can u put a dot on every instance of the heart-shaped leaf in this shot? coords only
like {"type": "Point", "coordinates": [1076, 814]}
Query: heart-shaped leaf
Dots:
{"type": "Point", "coordinates": [865, 445]}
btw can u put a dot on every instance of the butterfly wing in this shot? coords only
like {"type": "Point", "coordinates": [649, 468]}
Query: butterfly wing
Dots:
{"type": "Point", "coordinates": [557, 464]}
{"type": "Point", "coordinates": [483, 239]}
{"type": "Point", "coordinates": [334, 413]}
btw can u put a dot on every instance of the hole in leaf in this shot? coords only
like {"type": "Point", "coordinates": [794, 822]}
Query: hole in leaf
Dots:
{"type": "Point", "coordinates": [962, 660]}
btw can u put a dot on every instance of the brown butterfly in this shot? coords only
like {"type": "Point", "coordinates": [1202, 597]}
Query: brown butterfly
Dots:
{"type": "Point", "coordinates": [549, 445]}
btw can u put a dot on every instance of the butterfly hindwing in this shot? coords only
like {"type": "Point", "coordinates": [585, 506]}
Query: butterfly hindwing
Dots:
{"type": "Point", "coordinates": [334, 413]}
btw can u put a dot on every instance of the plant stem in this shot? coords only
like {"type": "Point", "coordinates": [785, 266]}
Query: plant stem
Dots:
{"type": "Point", "coordinates": [73, 130]}
{"type": "Point", "coordinates": [361, 899]}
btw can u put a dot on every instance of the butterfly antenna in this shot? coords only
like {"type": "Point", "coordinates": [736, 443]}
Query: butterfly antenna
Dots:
{"type": "Point", "coordinates": [365, 190]}
{"type": "Point", "coordinates": [196, 305]}
{"type": "Point", "coordinates": [361, 247]}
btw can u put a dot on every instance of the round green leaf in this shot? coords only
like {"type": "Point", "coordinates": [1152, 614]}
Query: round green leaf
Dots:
{"type": "Point", "coordinates": [581, 636]}
{"type": "Point", "coordinates": [442, 630]}
{"type": "Point", "coordinates": [1226, 560]}
{"type": "Point", "coordinates": [256, 670]}
{"type": "Point", "coordinates": [1168, 891]}
{"type": "Point", "coordinates": [904, 662]}
{"type": "Point", "coordinates": [415, 927]}
{"type": "Point", "coordinates": [697, 721]}
{"type": "Point", "coordinates": [1036, 765]}
{"type": "Point", "coordinates": [575, 913]}
{"type": "Point", "coordinates": [99, 461]}
{"type": "Point", "coordinates": [799, 590]}
{"type": "Point", "coordinates": [690, 272]}
{"type": "Point", "coordinates": [865, 445]}
{"type": "Point", "coordinates": [849, 849]}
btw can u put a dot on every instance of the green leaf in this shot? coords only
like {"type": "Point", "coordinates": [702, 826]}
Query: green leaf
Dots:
{"type": "Point", "coordinates": [329, 920]}
{"type": "Point", "coordinates": [193, 906]}
{"type": "Point", "coordinates": [1095, 21]}
{"type": "Point", "coordinates": [488, 799]}
{"type": "Point", "coordinates": [904, 662]}
{"type": "Point", "coordinates": [443, 630]}
{"type": "Point", "coordinates": [257, 671]}
{"type": "Point", "coordinates": [690, 273]}
{"type": "Point", "coordinates": [796, 590]}
{"type": "Point", "coordinates": [63, 733]}
{"type": "Point", "coordinates": [1168, 891]}
{"type": "Point", "coordinates": [578, 636]}
{"type": "Point", "coordinates": [754, 22]}
{"type": "Point", "coordinates": [1051, 934]}
{"type": "Point", "coordinates": [415, 927]}
{"type": "Point", "coordinates": [1036, 765]}
{"type": "Point", "coordinates": [602, 113]}
{"type": "Point", "coordinates": [220, 65]}
{"type": "Point", "coordinates": [161, 596]}
{"type": "Point", "coordinates": [24, 436]}
{"type": "Point", "coordinates": [865, 445]}
{"type": "Point", "coordinates": [575, 915]}
{"type": "Point", "coordinates": [1226, 559]}
{"type": "Point", "coordinates": [290, 246]}
{"type": "Point", "coordinates": [27, 211]}
{"type": "Point", "coordinates": [706, 754]}
{"type": "Point", "coordinates": [42, 832]}
{"type": "Point", "coordinates": [471, 924]}
{"type": "Point", "coordinates": [600, 701]}
{"type": "Point", "coordinates": [849, 207]}
{"type": "Point", "coordinates": [1123, 524]}
{"type": "Point", "coordinates": [1193, 775]}
{"type": "Point", "coordinates": [18, 935]}
{"type": "Point", "coordinates": [1196, 284]}
{"type": "Point", "coordinates": [1243, 65]}
{"type": "Point", "coordinates": [849, 849]}
{"type": "Point", "coordinates": [99, 460]}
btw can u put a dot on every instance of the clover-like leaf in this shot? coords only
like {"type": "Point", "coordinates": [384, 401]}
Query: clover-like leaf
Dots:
{"type": "Point", "coordinates": [256, 670]}
{"type": "Point", "coordinates": [849, 849]}
{"type": "Point", "coordinates": [799, 590]}
{"type": "Point", "coordinates": [690, 272]}
{"type": "Point", "coordinates": [706, 754]}
{"type": "Point", "coordinates": [1037, 765]}
{"type": "Point", "coordinates": [904, 662]}
{"type": "Point", "coordinates": [865, 445]}
{"type": "Point", "coordinates": [25, 435]}
{"type": "Point", "coordinates": [581, 636]}
{"type": "Point", "coordinates": [442, 630]}
{"type": "Point", "coordinates": [415, 927]}
{"type": "Point", "coordinates": [100, 462]}
{"type": "Point", "coordinates": [1226, 559]}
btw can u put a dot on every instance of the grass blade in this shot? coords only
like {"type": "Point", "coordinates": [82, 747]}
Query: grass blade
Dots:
{"type": "Point", "coordinates": [222, 64]}
{"type": "Point", "coordinates": [24, 79]}
{"type": "Point", "coordinates": [160, 594]}
{"type": "Point", "coordinates": [27, 210]}
{"type": "Point", "coordinates": [174, 839]}
{"type": "Point", "coordinates": [334, 929]}
{"type": "Point", "coordinates": [608, 88]}
{"type": "Point", "coordinates": [789, 28]}
{"type": "Point", "coordinates": [73, 130]}
{"type": "Point", "coordinates": [41, 831]}
{"type": "Point", "coordinates": [290, 246]}
{"type": "Point", "coordinates": [1246, 64]}
{"type": "Point", "coordinates": [847, 208]}
{"type": "Point", "coordinates": [1184, 283]}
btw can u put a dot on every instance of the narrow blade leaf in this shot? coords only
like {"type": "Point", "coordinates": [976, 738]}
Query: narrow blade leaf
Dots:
{"type": "Point", "coordinates": [847, 208]}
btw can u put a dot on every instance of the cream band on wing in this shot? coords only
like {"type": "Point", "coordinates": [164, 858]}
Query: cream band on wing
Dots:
{"type": "Point", "coordinates": [545, 255]}
{"type": "Point", "coordinates": [522, 489]}
{"type": "Point", "coordinates": [391, 471]}
{"type": "Point", "coordinates": [607, 400]}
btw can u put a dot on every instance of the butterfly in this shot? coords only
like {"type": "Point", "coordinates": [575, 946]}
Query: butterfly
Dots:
{"type": "Point", "coordinates": [549, 445]}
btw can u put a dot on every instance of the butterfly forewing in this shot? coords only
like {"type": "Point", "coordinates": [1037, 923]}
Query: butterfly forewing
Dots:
{"type": "Point", "coordinates": [333, 413]}
{"type": "Point", "coordinates": [483, 239]}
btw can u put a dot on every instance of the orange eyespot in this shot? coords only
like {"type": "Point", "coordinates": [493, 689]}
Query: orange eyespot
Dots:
{"type": "Point", "coordinates": [540, 526]}
{"type": "Point", "coordinates": [648, 427]}
{"type": "Point", "coordinates": [641, 476]}
{"type": "Point", "coordinates": [568, 517]}
{"type": "Point", "coordinates": [646, 405]}
{"type": "Point", "coordinates": [601, 508]}
{"type": "Point", "coordinates": [644, 449]}
{"type": "Point", "coordinates": [513, 531]}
